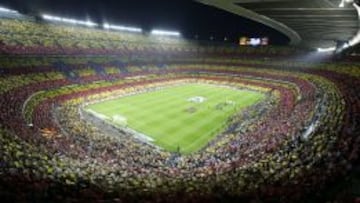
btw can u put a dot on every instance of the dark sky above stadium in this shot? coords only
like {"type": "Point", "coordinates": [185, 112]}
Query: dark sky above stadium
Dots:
{"type": "Point", "coordinates": [188, 17]}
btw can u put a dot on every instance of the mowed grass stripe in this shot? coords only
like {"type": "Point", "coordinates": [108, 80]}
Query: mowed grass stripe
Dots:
{"type": "Point", "coordinates": [206, 125]}
{"type": "Point", "coordinates": [147, 116]}
{"type": "Point", "coordinates": [162, 114]}
{"type": "Point", "coordinates": [142, 102]}
{"type": "Point", "coordinates": [213, 131]}
{"type": "Point", "coordinates": [171, 114]}
{"type": "Point", "coordinates": [160, 104]}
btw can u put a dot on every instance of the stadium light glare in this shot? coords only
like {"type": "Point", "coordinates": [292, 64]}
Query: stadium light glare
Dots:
{"type": "Point", "coordinates": [49, 17]}
{"type": "Point", "coordinates": [329, 49]}
{"type": "Point", "coordinates": [69, 20]}
{"type": "Point", "coordinates": [165, 33]}
{"type": "Point", "coordinates": [356, 39]}
{"type": "Point", "coordinates": [121, 28]}
{"type": "Point", "coordinates": [106, 26]}
{"type": "Point", "coordinates": [345, 2]}
{"type": "Point", "coordinates": [342, 4]}
{"type": "Point", "coordinates": [90, 24]}
{"type": "Point", "coordinates": [6, 10]}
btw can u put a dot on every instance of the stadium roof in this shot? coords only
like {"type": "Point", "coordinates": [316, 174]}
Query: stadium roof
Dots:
{"type": "Point", "coordinates": [312, 23]}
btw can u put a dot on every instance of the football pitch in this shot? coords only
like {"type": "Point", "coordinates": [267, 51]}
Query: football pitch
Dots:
{"type": "Point", "coordinates": [184, 117]}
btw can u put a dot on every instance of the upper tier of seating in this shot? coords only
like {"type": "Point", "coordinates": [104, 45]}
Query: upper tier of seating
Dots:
{"type": "Point", "coordinates": [19, 36]}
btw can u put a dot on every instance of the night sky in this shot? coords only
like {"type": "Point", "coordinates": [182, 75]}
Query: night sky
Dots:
{"type": "Point", "coordinates": [188, 17]}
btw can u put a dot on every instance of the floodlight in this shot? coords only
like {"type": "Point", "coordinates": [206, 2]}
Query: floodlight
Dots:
{"type": "Point", "coordinates": [69, 20]}
{"type": "Point", "coordinates": [106, 26]}
{"type": "Point", "coordinates": [90, 24]}
{"type": "Point", "coordinates": [165, 33]}
{"type": "Point", "coordinates": [255, 41]}
{"type": "Point", "coordinates": [124, 28]}
{"type": "Point", "coordinates": [356, 39]}
{"type": "Point", "coordinates": [49, 17]}
{"type": "Point", "coordinates": [345, 46]}
{"type": "Point", "coordinates": [6, 10]}
{"type": "Point", "coordinates": [121, 28]}
{"type": "Point", "coordinates": [343, 2]}
{"type": "Point", "coordinates": [329, 49]}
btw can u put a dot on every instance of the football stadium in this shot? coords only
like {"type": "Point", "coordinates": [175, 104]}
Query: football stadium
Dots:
{"type": "Point", "coordinates": [180, 101]}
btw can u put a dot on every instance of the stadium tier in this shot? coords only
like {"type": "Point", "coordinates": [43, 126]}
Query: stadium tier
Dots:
{"type": "Point", "coordinates": [78, 107]}
{"type": "Point", "coordinates": [28, 37]}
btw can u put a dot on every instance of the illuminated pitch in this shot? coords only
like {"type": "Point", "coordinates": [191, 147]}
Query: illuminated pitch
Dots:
{"type": "Point", "coordinates": [184, 117]}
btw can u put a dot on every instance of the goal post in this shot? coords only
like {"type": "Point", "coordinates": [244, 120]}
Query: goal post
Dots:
{"type": "Point", "coordinates": [119, 120]}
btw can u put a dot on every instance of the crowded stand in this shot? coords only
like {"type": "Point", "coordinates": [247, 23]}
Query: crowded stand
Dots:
{"type": "Point", "coordinates": [29, 37]}
{"type": "Point", "coordinates": [297, 140]}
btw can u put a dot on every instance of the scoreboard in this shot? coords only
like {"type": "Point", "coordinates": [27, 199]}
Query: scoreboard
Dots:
{"type": "Point", "coordinates": [246, 41]}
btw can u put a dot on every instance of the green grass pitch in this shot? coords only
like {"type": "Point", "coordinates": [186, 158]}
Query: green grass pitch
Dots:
{"type": "Point", "coordinates": [168, 117]}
